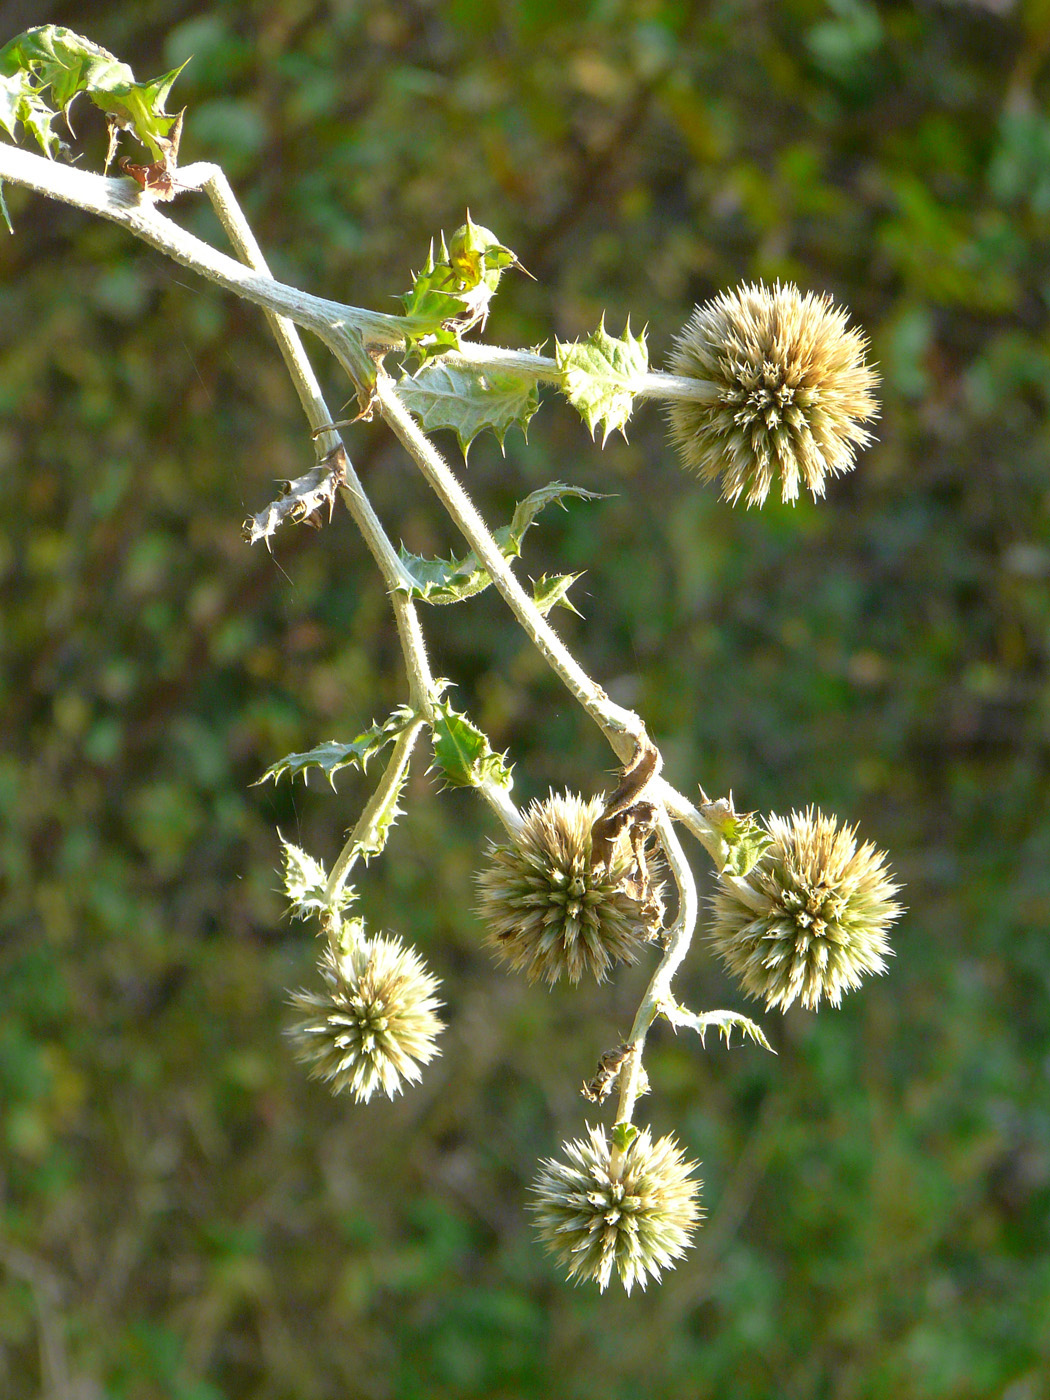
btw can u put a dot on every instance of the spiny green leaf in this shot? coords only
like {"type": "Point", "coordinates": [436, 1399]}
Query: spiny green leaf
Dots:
{"type": "Point", "coordinates": [463, 753]}
{"type": "Point", "coordinates": [57, 59]}
{"type": "Point", "coordinates": [444, 396]}
{"type": "Point", "coordinates": [453, 291]}
{"type": "Point", "coordinates": [622, 1135]}
{"type": "Point", "coordinates": [332, 756]}
{"type": "Point", "coordinates": [306, 883]}
{"type": "Point", "coordinates": [383, 820]}
{"type": "Point", "coordinates": [744, 839]}
{"type": "Point", "coordinates": [452, 580]}
{"type": "Point", "coordinates": [721, 1021]}
{"type": "Point", "coordinates": [600, 376]}
{"type": "Point", "coordinates": [553, 592]}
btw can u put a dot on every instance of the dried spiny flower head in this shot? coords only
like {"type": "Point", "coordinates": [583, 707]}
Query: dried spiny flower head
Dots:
{"type": "Point", "coordinates": [632, 1210]}
{"type": "Point", "coordinates": [789, 389]}
{"type": "Point", "coordinates": [374, 1024]}
{"type": "Point", "coordinates": [810, 919]}
{"type": "Point", "coordinates": [550, 909]}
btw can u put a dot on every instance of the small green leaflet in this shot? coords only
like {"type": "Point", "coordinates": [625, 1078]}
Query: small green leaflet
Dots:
{"type": "Point", "coordinates": [452, 580]}
{"type": "Point", "coordinates": [463, 753]}
{"type": "Point", "coordinates": [382, 821]}
{"type": "Point", "coordinates": [453, 291]}
{"type": "Point", "coordinates": [600, 376]}
{"type": "Point", "coordinates": [744, 840]}
{"type": "Point", "coordinates": [57, 58]}
{"type": "Point", "coordinates": [306, 883]}
{"type": "Point", "coordinates": [721, 1021]}
{"type": "Point", "coordinates": [442, 396]}
{"type": "Point", "coordinates": [553, 592]}
{"type": "Point", "coordinates": [331, 756]}
{"type": "Point", "coordinates": [622, 1135]}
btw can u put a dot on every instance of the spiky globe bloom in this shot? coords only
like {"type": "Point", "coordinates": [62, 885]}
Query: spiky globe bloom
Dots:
{"type": "Point", "coordinates": [788, 390]}
{"type": "Point", "coordinates": [548, 908]}
{"type": "Point", "coordinates": [635, 1216]}
{"type": "Point", "coordinates": [811, 918]}
{"type": "Point", "coordinates": [373, 1025]}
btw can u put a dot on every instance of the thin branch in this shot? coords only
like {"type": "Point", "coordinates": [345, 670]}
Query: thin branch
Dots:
{"type": "Point", "coordinates": [659, 988]}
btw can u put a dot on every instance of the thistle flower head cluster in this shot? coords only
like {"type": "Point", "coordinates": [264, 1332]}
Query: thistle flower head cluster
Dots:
{"type": "Point", "coordinates": [811, 918]}
{"type": "Point", "coordinates": [632, 1210]}
{"type": "Point", "coordinates": [789, 390]}
{"type": "Point", "coordinates": [373, 1025]}
{"type": "Point", "coordinates": [549, 908]}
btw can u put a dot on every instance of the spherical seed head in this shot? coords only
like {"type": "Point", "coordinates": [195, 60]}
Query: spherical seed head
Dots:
{"type": "Point", "coordinates": [636, 1216]}
{"type": "Point", "coordinates": [789, 390]}
{"type": "Point", "coordinates": [374, 1023]}
{"type": "Point", "coordinates": [549, 910]}
{"type": "Point", "coordinates": [816, 916]}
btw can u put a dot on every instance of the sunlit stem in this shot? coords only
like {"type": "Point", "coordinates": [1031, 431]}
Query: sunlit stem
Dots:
{"type": "Point", "coordinates": [659, 988]}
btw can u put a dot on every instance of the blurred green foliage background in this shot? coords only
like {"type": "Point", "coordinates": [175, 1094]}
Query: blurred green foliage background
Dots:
{"type": "Point", "coordinates": [183, 1214]}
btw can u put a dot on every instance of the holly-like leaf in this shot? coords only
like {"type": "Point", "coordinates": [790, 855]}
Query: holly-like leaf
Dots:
{"type": "Point", "coordinates": [463, 753]}
{"type": "Point", "coordinates": [42, 70]}
{"type": "Point", "coordinates": [383, 820]}
{"type": "Point", "coordinates": [452, 580]}
{"type": "Point", "coordinates": [600, 376]}
{"type": "Point", "coordinates": [622, 1135]}
{"type": "Point", "coordinates": [331, 756]}
{"type": "Point", "coordinates": [444, 396]}
{"type": "Point", "coordinates": [552, 592]}
{"type": "Point", "coordinates": [744, 839]}
{"type": "Point", "coordinates": [723, 1022]}
{"type": "Point", "coordinates": [453, 291]}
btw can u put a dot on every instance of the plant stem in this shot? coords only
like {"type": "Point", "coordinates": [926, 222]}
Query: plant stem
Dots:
{"type": "Point", "coordinates": [622, 728]}
{"type": "Point", "coordinates": [659, 988]}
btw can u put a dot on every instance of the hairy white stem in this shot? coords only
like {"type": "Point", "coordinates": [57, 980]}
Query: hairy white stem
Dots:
{"type": "Point", "coordinates": [385, 792]}
{"type": "Point", "coordinates": [622, 728]}
{"type": "Point", "coordinates": [343, 328]}
{"type": "Point", "coordinates": [213, 181]}
{"type": "Point", "coordinates": [659, 988]}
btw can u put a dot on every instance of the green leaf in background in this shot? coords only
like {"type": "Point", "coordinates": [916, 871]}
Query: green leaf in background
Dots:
{"type": "Point", "coordinates": [463, 753]}
{"type": "Point", "coordinates": [451, 580]}
{"type": "Point", "coordinates": [443, 396]}
{"type": "Point", "coordinates": [51, 57]}
{"type": "Point", "coordinates": [331, 756]}
{"type": "Point", "coordinates": [600, 376]}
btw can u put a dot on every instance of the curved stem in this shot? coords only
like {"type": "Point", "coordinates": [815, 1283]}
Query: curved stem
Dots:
{"type": "Point", "coordinates": [622, 728]}
{"type": "Point", "coordinates": [386, 792]}
{"type": "Point", "coordinates": [659, 988]}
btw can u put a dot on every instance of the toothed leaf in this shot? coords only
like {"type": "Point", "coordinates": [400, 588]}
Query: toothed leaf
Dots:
{"type": "Point", "coordinates": [452, 580]}
{"type": "Point", "coordinates": [53, 58]}
{"type": "Point", "coordinates": [552, 592]}
{"type": "Point", "coordinates": [463, 753]}
{"type": "Point", "coordinates": [600, 376]}
{"type": "Point", "coordinates": [443, 396]}
{"type": "Point", "coordinates": [724, 1022]}
{"type": "Point", "coordinates": [331, 756]}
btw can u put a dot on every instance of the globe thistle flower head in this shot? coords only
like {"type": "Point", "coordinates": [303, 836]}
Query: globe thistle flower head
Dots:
{"type": "Point", "coordinates": [789, 390]}
{"type": "Point", "coordinates": [550, 910]}
{"type": "Point", "coordinates": [373, 1025]}
{"type": "Point", "coordinates": [633, 1211]}
{"type": "Point", "coordinates": [811, 918]}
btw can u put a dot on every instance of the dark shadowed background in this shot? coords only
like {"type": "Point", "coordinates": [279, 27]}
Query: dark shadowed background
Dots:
{"type": "Point", "coordinates": [184, 1214]}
